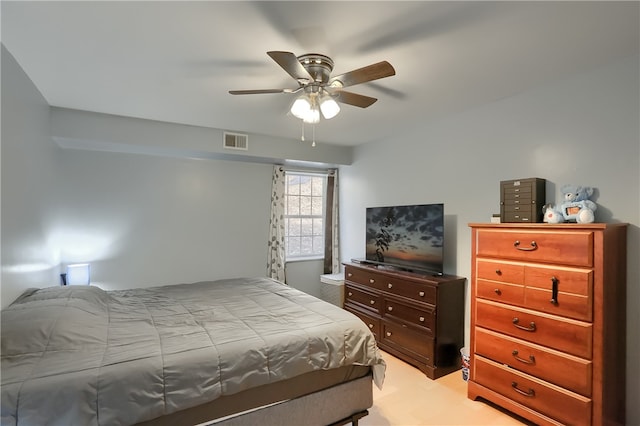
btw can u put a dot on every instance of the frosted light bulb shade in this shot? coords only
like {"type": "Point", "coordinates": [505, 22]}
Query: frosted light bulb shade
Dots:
{"type": "Point", "coordinates": [301, 107]}
{"type": "Point", "coordinates": [79, 274]}
{"type": "Point", "coordinates": [313, 116]}
{"type": "Point", "coordinates": [329, 107]}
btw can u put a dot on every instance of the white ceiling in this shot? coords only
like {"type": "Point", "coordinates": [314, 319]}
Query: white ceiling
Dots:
{"type": "Point", "coordinates": [176, 61]}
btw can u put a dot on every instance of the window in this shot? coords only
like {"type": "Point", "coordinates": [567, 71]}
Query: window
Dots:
{"type": "Point", "coordinates": [304, 215]}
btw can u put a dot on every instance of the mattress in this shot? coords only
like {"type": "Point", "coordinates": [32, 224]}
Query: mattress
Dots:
{"type": "Point", "coordinates": [81, 355]}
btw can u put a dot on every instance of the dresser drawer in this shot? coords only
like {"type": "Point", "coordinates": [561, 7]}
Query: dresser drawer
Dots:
{"type": "Point", "coordinates": [423, 316]}
{"type": "Point", "coordinates": [364, 277]}
{"type": "Point", "coordinates": [562, 405]}
{"type": "Point", "coordinates": [418, 345]}
{"type": "Point", "coordinates": [567, 335]}
{"type": "Point", "coordinates": [419, 292]}
{"type": "Point", "coordinates": [500, 271]}
{"type": "Point", "coordinates": [552, 289]}
{"type": "Point", "coordinates": [556, 367]}
{"type": "Point", "coordinates": [561, 291]}
{"type": "Point", "coordinates": [362, 297]}
{"type": "Point", "coordinates": [500, 281]}
{"type": "Point", "coordinates": [572, 248]}
{"type": "Point", "coordinates": [372, 322]}
{"type": "Point", "coordinates": [500, 292]}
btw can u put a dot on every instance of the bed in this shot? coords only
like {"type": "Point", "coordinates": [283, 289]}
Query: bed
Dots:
{"type": "Point", "coordinates": [234, 351]}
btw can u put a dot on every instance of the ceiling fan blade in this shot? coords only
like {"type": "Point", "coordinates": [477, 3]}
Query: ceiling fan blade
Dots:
{"type": "Point", "coordinates": [363, 75]}
{"type": "Point", "coordinates": [290, 63]}
{"type": "Point", "coordinates": [355, 99]}
{"type": "Point", "coordinates": [261, 91]}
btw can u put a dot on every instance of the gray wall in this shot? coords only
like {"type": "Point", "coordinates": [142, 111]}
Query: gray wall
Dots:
{"type": "Point", "coordinates": [143, 220]}
{"type": "Point", "coordinates": [27, 172]}
{"type": "Point", "coordinates": [583, 130]}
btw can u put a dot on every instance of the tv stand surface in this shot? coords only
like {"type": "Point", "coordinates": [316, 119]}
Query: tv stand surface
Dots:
{"type": "Point", "coordinates": [363, 262]}
{"type": "Point", "coordinates": [399, 269]}
{"type": "Point", "coordinates": [384, 266]}
{"type": "Point", "coordinates": [416, 317]}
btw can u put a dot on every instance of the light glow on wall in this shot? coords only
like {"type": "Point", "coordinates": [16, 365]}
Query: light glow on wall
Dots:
{"type": "Point", "coordinates": [73, 245]}
{"type": "Point", "coordinates": [25, 268]}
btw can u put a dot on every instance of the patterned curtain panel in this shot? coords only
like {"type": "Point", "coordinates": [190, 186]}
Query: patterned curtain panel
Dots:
{"type": "Point", "coordinates": [275, 260]}
{"type": "Point", "coordinates": [331, 231]}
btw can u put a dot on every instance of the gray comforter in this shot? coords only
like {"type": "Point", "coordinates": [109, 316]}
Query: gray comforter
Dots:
{"type": "Point", "coordinates": [83, 356]}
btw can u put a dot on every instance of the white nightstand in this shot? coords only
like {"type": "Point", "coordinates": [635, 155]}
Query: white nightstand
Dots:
{"type": "Point", "coordinates": [332, 288]}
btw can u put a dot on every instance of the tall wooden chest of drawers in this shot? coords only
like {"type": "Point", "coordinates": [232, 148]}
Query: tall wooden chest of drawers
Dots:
{"type": "Point", "coordinates": [548, 321]}
{"type": "Point", "coordinates": [416, 317]}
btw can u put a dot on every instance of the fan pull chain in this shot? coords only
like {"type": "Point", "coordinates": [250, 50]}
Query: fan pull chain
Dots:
{"type": "Point", "coordinates": [313, 133]}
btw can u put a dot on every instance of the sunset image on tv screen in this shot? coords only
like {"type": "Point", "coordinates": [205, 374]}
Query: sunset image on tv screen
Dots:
{"type": "Point", "coordinates": [406, 236]}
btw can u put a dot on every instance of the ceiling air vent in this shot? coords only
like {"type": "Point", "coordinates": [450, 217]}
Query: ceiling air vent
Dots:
{"type": "Point", "coordinates": [236, 141]}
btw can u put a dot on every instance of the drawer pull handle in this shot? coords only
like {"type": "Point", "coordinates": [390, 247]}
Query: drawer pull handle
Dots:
{"type": "Point", "coordinates": [531, 327]}
{"type": "Point", "coordinates": [371, 280]}
{"type": "Point", "coordinates": [390, 308]}
{"type": "Point", "coordinates": [497, 291]}
{"type": "Point", "coordinates": [531, 359]}
{"type": "Point", "coordinates": [370, 325]}
{"type": "Point", "coordinates": [373, 302]}
{"type": "Point", "coordinates": [529, 393]}
{"type": "Point", "coordinates": [349, 274]}
{"type": "Point", "coordinates": [421, 319]}
{"type": "Point", "coordinates": [498, 272]}
{"type": "Point", "coordinates": [421, 294]}
{"type": "Point", "coordinates": [554, 291]}
{"type": "Point", "coordinates": [534, 246]}
{"type": "Point", "coordinates": [350, 294]}
{"type": "Point", "coordinates": [390, 285]}
{"type": "Point", "coordinates": [389, 334]}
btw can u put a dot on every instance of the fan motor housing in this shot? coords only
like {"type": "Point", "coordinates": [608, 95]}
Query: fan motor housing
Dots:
{"type": "Point", "coordinates": [317, 65]}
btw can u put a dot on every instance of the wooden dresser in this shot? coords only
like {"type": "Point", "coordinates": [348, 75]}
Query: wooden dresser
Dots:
{"type": "Point", "coordinates": [416, 317]}
{"type": "Point", "coordinates": [548, 321]}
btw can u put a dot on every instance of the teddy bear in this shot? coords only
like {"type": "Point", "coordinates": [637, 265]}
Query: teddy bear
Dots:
{"type": "Point", "coordinates": [576, 206]}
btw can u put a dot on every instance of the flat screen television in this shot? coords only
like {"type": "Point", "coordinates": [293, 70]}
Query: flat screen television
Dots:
{"type": "Point", "coordinates": [408, 237]}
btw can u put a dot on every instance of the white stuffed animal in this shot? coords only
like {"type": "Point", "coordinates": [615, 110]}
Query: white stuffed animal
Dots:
{"type": "Point", "coordinates": [551, 214]}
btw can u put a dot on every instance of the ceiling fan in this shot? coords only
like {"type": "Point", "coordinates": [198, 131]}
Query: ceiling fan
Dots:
{"type": "Point", "coordinates": [320, 91]}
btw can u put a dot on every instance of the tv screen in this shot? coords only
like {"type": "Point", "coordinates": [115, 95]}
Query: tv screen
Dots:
{"type": "Point", "coordinates": [409, 237]}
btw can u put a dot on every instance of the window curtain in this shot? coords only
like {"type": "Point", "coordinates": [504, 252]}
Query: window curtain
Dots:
{"type": "Point", "coordinates": [331, 230]}
{"type": "Point", "coordinates": [276, 259]}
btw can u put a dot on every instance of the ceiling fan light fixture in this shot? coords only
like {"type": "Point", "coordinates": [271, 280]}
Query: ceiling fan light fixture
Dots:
{"type": "Point", "coordinates": [329, 107]}
{"type": "Point", "coordinates": [312, 72]}
{"type": "Point", "coordinates": [301, 107]}
{"type": "Point", "coordinates": [313, 116]}
{"type": "Point", "coordinates": [306, 108]}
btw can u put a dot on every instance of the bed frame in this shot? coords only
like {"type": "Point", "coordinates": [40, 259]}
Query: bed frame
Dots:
{"type": "Point", "coordinates": [338, 405]}
{"type": "Point", "coordinates": [317, 398]}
